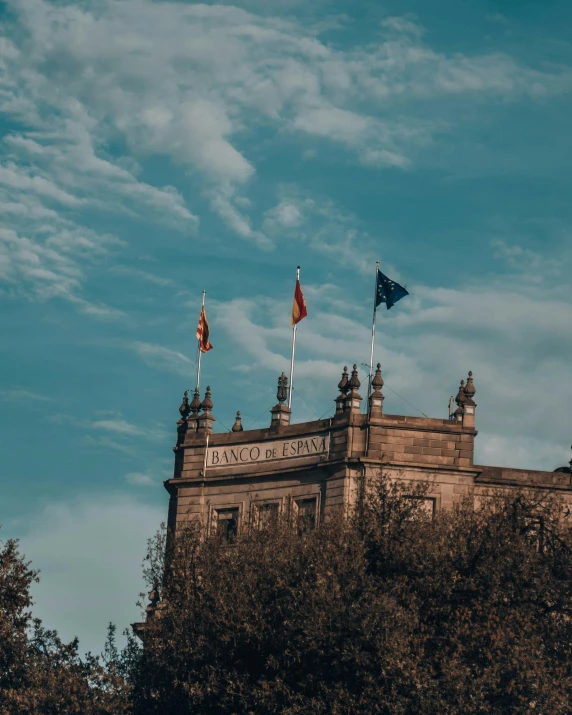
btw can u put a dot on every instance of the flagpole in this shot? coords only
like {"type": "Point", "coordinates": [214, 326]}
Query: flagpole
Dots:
{"type": "Point", "coordinates": [199, 350]}
{"type": "Point", "coordinates": [372, 335]}
{"type": "Point", "coordinates": [293, 350]}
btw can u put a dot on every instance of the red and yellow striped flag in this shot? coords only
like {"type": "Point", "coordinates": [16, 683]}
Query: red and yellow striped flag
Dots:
{"type": "Point", "coordinates": [203, 332]}
{"type": "Point", "coordinates": [299, 306]}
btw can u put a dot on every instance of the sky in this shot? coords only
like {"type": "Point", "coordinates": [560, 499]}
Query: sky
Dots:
{"type": "Point", "coordinates": [150, 150]}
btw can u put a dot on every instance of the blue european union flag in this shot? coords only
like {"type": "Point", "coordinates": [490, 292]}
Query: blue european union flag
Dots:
{"type": "Point", "coordinates": [388, 291]}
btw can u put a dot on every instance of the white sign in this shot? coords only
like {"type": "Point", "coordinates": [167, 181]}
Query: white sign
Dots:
{"type": "Point", "coordinates": [267, 451]}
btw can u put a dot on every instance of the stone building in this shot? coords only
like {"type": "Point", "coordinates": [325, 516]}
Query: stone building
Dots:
{"type": "Point", "coordinates": [313, 467]}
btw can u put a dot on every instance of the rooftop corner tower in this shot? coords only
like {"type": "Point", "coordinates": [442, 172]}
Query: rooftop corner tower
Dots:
{"type": "Point", "coordinates": [313, 467]}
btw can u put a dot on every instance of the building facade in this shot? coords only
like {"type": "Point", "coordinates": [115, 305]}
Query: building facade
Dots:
{"type": "Point", "coordinates": [314, 467]}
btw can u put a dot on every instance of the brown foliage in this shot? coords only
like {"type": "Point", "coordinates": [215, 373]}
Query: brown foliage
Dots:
{"type": "Point", "coordinates": [383, 611]}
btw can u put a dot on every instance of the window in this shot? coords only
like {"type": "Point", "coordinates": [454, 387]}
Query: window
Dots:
{"type": "Point", "coordinates": [226, 523]}
{"type": "Point", "coordinates": [267, 515]}
{"type": "Point", "coordinates": [305, 514]}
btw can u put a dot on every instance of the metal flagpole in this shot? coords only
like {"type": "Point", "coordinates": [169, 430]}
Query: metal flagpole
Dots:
{"type": "Point", "coordinates": [372, 335]}
{"type": "Point", "coordinates": [293, 349]}
{"type": "Point", "coordinates": [199, 348]}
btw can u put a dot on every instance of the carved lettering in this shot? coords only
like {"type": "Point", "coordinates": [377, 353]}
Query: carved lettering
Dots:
{"type": "Point", "coordinates": [267, 451]}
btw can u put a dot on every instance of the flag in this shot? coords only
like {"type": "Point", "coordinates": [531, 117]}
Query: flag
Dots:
{"type": "Point", "coordinates": [388, 291]}
{"type": "Point", "coordinates": [299, 305]}
{"type": "Point", "coordinates": [203, 332]}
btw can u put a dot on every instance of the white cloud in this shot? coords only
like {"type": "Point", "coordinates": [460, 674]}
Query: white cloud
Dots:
{"type": "Point", "coordinates": [162, 358]}
{"type": "Point", "coordinates": [140, 479]}
{"type": "Point", "coordinates": [18, 394]}
{"type": "Point", "coordinates": [116, 425]}
{"type": "Point", "coordinates": [324, 227]}
{"type": "Point", "coordinates": [513, 336]}
{"type": "Point", "coordinates": [89, 551]}
{"type": "Point", "coordinates": [121, 429]}
{"type": "Point", "coordinates": [187, 81]}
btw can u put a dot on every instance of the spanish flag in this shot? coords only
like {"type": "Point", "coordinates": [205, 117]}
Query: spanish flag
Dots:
{"type": "Point", "coordinates": [299, 305]}
{"type": "Point", "coordinates": [203, 332]}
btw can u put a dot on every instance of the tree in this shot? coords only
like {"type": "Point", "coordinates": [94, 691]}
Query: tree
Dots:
{"type": "Point", "coordinates": [40, 674]}
{"type": "Point", "coordinates": [385, 610]}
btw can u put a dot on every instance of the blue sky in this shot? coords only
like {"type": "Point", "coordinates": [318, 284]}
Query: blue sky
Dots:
{"type": "Point", "coordinates": [152, 149]}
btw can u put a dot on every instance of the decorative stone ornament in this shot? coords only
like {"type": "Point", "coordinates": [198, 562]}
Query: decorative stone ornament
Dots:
{"type": "Point", "coordinates": [205, 421]}
{"type": "Point", "coordinates": [184, 409]}
{"type": "Point", "coordinates": [280, 413]}
{"type": "Point", "coordinates": [470, 390]}
{"type": "Point", "coordinates": [353, 400]}
{"type": "Point", "coordinates": [195, 404]}
{"type": "Point", "coordinates": [377, 398]}
{"type": "Point", "coordinates": [460, 400]}
{"type": "Point", "coordinates": [194, 408]}
{"type": "Point", "coordinates": [343, 387]}
{"type": "Point", "coordinates": [182, 423]}
{"type": "Point", "coordinates": [237, 426]}
{"type": "Point", "coordinates": [282, 391]}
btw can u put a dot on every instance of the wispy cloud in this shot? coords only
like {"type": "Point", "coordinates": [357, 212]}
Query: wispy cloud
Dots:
{"type": "Point", "coordinates": [17, 394]}
{"type": "Point", "coordinates": [121, 428]}
{"type": "Point", "coordinates": [188, 80]}
{"type": "Point", "coordinates": [426, 346]}
{"type": "Point", "coordinates": [161, 358]}
{"type": "Point", "coordinates": [118, 425]}
{"type": "Point", "coordinates": [140, 479]}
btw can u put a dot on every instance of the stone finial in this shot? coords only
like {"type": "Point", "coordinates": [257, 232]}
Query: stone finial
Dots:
{"type": "Point", "coordinates": [343, 387]}
{"type": "Point", "coordinates": [376, 399]}
{"type": "Point", "coordinates": [461, 396]}
{"type": "Point", "coordinates": [460, 400]}
{"type": "Point", "coordinates": [182, 423]}
{"type": "Point", "coordinates": [205, 421]}
{"type": "Point", "coordinates": [354, 382]}
{"type": "Point", "coordinates": [184, 409]}
{"type": "Point", "coordinates": [195, 405]}
{"type": "Point", "coordinates": [470, 390]}
{"type": "Point", "coordinates": [207, 403]}
{"type": "Point", "coordinates": [353, 400]}
{"type": "Point", "coordinates": [282, 391]}
{"type": "Point", "coordinates": [237, 426]}
{"type": "Point", "coordinates": [280, 413]}
{"type": "Point", "coordinates": [377, 383]}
